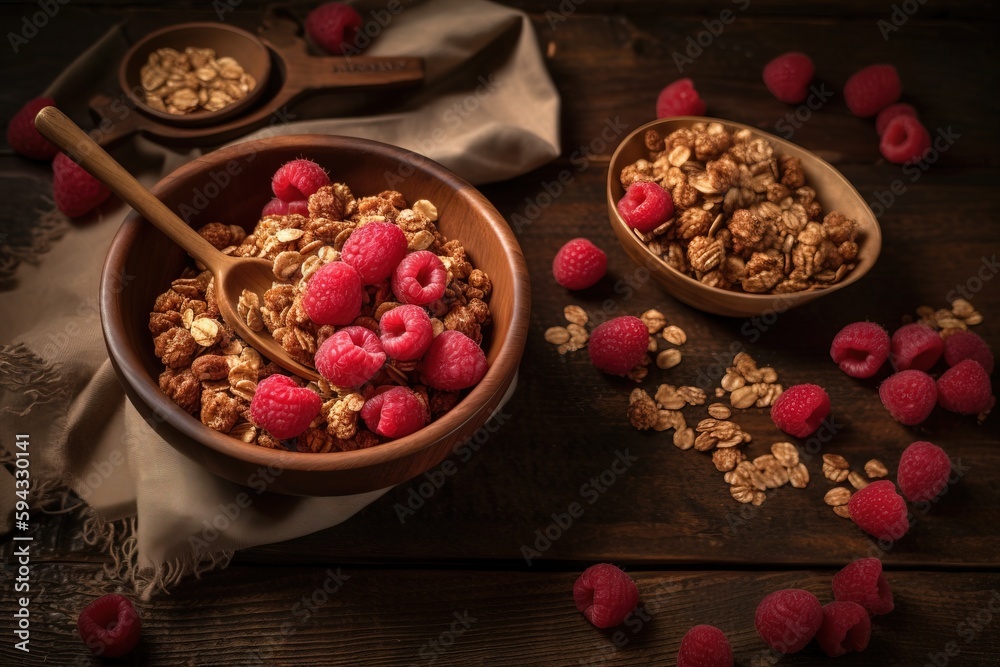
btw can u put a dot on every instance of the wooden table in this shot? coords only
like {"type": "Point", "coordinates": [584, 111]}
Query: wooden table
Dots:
{"type": "Point", "coordinates": [447, 583]}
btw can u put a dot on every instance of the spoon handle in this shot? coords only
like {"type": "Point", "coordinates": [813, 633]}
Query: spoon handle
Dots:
{"type": "Point", "coordinates": [67, 135]}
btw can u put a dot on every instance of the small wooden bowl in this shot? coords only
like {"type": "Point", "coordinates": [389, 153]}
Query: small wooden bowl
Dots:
{"type": "Point", "coordinates": [150, 261]}
{"type": "Point", "coordinates": [226, 40]}
{"type": "Point", "coordinates": [832, 190]}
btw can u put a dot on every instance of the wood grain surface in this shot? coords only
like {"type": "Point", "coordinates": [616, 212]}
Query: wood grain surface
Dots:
{"type": "Point", "coordinates": [454, 541]}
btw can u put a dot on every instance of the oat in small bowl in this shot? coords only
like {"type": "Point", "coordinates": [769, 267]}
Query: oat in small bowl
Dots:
{"type": "Point", "coordinates": [757, 224]}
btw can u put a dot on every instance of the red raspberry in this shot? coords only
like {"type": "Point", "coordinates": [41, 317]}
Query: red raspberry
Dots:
{"type": "Point", "coordinates": [453, 362]}
{"type": "Point", "coordinates": [22, 135]}
{"type": "Point", "coordinates": [298, 179]}
{"type": "Point", "coordinates": [801, 409]}
{"type": "Point", "coordinates": [872, 89]}
{"type": "Point", "coordinates": [75, 191]}
{"type": "Point", "coordinates": [788, 76]}
{"type": "Point", "coordinates": [915, 346]}
{"type": "Point", "coordinates": [864, 583]}
{"type": "Point", "coordinates": [281, 207]}
{"type": "Point", "coordinates": [788, 619]}
{"type": "Point", "coordinates": [395, 412]}
{"type": "Point", "coordinates": [374, 250]}
{"type": "Point", "coordinates": [679, 99]}
{"type": "Point", "coordinates": [965, 388]}
{"type": "Point", "coordinates": [333, 26]}
{"type": "Point", "coordinates": [909, 396]}
{"type": "Point", "coordinates": [333, 294]}
{"type": "Point", "coordinates": [350, 357]}
{"type": "Point", "coordinates": [967, 345]}
{"type": "Point", "coordinates": [904, 139]}
{"type": "Point", "coordinates": [890, 112]}
{"type": "Point", "coordinates": [282, 407]}
{"type": "Point", "coordinates": [705, 646]}
{"type": "Point", "coordinates": [605, 595]}
{"type": "Point", "coordinates": [846, 627]}
{"type": "Point", "coordinates": [419, 278]}
{"type": "Point", "coordinates": [860, 349]}
{"type": "Point", "coordinates": [879, 511]}
{"type": "Point", "coordinates": [645, 206]}
{"type": "Point", "coordinates": [923, 472]}
{"type": "Point", "coordinates": [618, 345]}
{"type": "Point", "coordinates": [109, 626]}
{"type": "Point", "coordinates": [406, 332]}
{"type": "Point", "coordinates": [579, 264]}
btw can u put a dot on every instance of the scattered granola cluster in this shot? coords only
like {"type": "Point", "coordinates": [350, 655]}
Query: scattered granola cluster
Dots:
{"type": "Point", "coordinates": [749, 386]}
{"type": "Point", "coordinates": [744, 217]}
{"type": "Point", "coordinates": [837, 469]}
{"type": "Point", "coordinates": [213, 374]}
{"type": "Point", "coordinates": [947, 321]}
{"type": "Point", "coordinates": [182, 83]}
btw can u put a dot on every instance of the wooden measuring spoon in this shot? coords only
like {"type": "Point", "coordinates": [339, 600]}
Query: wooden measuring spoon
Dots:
{"type": "Point", "coordinates": [232, 274]}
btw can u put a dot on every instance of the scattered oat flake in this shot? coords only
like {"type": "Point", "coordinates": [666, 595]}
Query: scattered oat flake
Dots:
{"type": "Point", "coordinates": [838, 495]}
{"type": "Point", "coordinates": [576, 315]}
{"type": "Point", "coordinates": [875, 469]}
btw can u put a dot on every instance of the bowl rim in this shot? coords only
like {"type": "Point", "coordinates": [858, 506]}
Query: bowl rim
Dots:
{"type": "Point", "coordinates": [198, 117]}
{"type": "Point", "coordinates": [875, 240]}
{"type": "Point", "coordinates": [129, 364]}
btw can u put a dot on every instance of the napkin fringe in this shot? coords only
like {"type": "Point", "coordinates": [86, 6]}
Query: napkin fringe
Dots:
{"type": "Point", "coordinates": [50, 226]}
{"type": "Point", "coordinates": [29, 380]}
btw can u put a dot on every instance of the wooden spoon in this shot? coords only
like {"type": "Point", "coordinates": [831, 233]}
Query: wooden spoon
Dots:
{"type": "Point", "coordinates": [232, 274]}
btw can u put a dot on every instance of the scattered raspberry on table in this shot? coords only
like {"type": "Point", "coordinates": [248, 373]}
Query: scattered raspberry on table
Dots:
{"type": "Point", "coordinates": [965, 388]}
{"type": "Point", "coordinates": [333, 26]}
{"type": "Point", "coordinates": [679, 99]}
{"type": "Point", "coordinates": [605, 595]}
{"type": "Point", "coordinates": [22, 136]}
{"type": "Point", "coordinates": [879, 511]}
{"type": "Point", "coordinates": [904, 139]}
{"type": "Point", "coordinates": [579, 264]}
{"type": "Point", "coordinates": [860, 349]}
{"type": "Point", "coordinates": [863, 582]}
{"type": "Point", "coordinates": [909, 396]}
{"type": "Point", "coordinates": [110, 626]}
{"type": "Point", "coordinates": [801, 409]}
{"type": "Point", "coordinates": [871, 89]}
{"type": "Point", "coordinates": [963, 345]}
{"type": "Point", "coordinates": [618, 345]}
{"type": "Point", "coordinates": [892, 111]}
{"type": "Point", "coordinates": [705, 646]}
{"type": "Point", "coordinates": [788, 619]}
{"type": "Point", "coordinates": [75, 192]}
{"type": "Point", "coordinates": [788, 76]}
{"type": "Point", "coordinates": [915, 346]}
{"type": "Point", "coordinates": [924, 469]}
{"type": "Point", "coordinates": [846, 627]}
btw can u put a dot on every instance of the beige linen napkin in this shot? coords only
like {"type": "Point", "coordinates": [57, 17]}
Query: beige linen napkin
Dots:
{"type": "Point", "coordinates": [160, 515]}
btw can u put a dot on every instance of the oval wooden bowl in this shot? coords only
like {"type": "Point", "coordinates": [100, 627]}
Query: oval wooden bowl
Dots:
{"type": "Point", "coordinates": [142, 262]}
{"type": "Point", "coordinates": [832, 190]}
{"type": "Point", "coordinates": [226, 40]}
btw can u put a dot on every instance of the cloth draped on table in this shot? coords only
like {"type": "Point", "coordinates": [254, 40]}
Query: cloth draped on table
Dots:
{"type": "Point", "coordinates": [159, 515]}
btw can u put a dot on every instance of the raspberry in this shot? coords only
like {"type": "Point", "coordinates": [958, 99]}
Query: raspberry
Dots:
{"type": "Point", "coordinates": [909, 396]}
{"type": "Point", "coordinates": [75, 191]}
{"type": "Point", "coordinates": [879, 511]}
{"type": "Point", "coordinates": [788, 619]}
{"type": "Point", "coordinates": [333, 26]}
{"type": "Point", "coordinates": [904, 139]}
{"type": "Point", "coordinates": [846, 627]}
{"type": "Point", "coordinates": [298, 179]}
{"type": "Point", "coordinates": [453, 362]}
{"type": "Point", "coordinates": [618, 345]}
{"type": "Point", "coordinates": [281, 207]}
{"type": "Point", "coordinates": [645, 206]}
{"type": "Point", "coordinates": [395, 413]}
{"type": "Point", "coordinates": [282, 407]}
{"type": "Point", "coordinates": [350, 357]}
{"type": "Point", "coordinates": [860, 349]}
{"type": "Point", "coordinates": [788, 76]}
{"type": "Point", "coordinates": [679, 99]}
{"type": "Point", "coordinates": [965, 388]}
{"type": "Point", "coordinates": [890, 112]}
{"type": "Point", "coordinates": [863, 583]}
{"type": "Point", "coordinates": [915, 346]}
{"type": "Point", "coordinates": [109, 626]}
{"type": "Point", "coordinates": [22, 135]}
{"type": "Point", "coordinates": [374, 250]}
{"type": "Point", "coordinates": [872, 89]}
{"type": "Point", "coordinates": [605, 595]}
{"type": "Point", "coordinates": [923, 472]}
{"type": "Point", "coordinates": [333, 294]}
{"type": "Point", "coordinates": [579, 264]}
{"type": "Point", "coordinates": [967, 345]}
{"type": "Point", "coordinates": [801, 409]}
{"type": "Point", "coordinates": [705, 646]}
{"type": "Point", "coordinates": [406, 332]}
{"type": "Point", "coordinates": [419, 278]}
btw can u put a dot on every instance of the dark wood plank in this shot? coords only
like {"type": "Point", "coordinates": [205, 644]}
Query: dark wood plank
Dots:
{"type": "Point", "coordinates": [333, 615]}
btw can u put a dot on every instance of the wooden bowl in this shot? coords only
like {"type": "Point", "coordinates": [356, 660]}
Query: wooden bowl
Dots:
{"type": "Point", "coordinates": [226, 40]}
{"type": "Point", "coordinates": [142, 262]}
{"type": "Point", "coordinates": [833, 191]}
